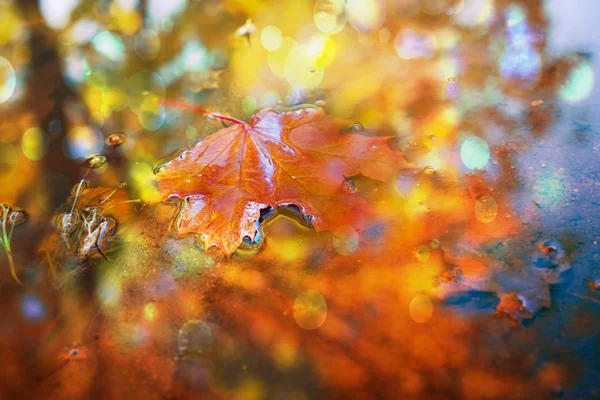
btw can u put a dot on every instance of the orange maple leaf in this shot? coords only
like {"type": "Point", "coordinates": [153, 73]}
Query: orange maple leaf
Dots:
{"type": "Point", "coordinates": [296, 157]}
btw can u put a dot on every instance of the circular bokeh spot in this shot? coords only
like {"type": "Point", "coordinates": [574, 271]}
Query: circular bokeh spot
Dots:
{"type": "Point", "coordinates": [310, 309]}
{"type": "Point", "coordinates": [421, 308]}
{"type": "Point", "coordinates": [34, 144]}
{"type": "Point", "coordinates": [194, 338]}
{"type": "Point", "coordinates": [346, 244]}
{"type": "Point", "coordinates": [146, 89]}
{"type": "Point", "coordinates": [410, 44]}
{"type": "Point", "coordinates": [475, 152]}
{"type": "Point", "coordinates": [471, 13]}
{"type": "Point", "coordinates": [330, 15]}
{"type": "Point", "coordinates": [146, 44]}
{"type": "Point", "coordinates": [83, 141]}
{"type": "Point", "coordinates": [249, 104]}
{"type": "Point", "coordinates": [301, 69]}
{"type": "Point", "coordinates": [109, 45]}
{"type": "Point", "coordinates": [8, 161]}
{"type": "Point", "coordinates": [277, 58]}
{"type": "Point", "coordinates": [271, 37]}
{"type": "Point", "coordinates": [579, 85]}
{"type": "Point", "coordinates": [366, 16]}
{"type": "Point", "coordinates": [8, 79]}
{"type": "Point", "coordinates": [32, 308]}
{"type": "Point", "coordinates": [486, 209]}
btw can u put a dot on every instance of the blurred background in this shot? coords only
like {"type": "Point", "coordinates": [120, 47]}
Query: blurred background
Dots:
{"type": "Point", "coordinates": [476, 277]}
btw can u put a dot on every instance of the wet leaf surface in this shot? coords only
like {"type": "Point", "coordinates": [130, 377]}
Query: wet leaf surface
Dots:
{"type": "Point", "coordinates": [280, 158]}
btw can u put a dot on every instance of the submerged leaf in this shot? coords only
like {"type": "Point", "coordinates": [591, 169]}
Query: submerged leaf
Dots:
{"type": "Point", "coordinates": [280, 158]}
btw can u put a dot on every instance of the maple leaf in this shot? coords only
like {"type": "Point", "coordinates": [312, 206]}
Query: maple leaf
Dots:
{"type": "Point", "coordinates": [296, 157]}
{"type": "Point", "coordinates": [523, 290]}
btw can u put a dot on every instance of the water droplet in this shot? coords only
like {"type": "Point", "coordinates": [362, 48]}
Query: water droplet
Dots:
{"type": "Point", "coordinates": [17, 217]}
{"type": "Point", "coordinates": [173, 199]}
{"type": "Point", "coordinates": [423, 253]}
{"type": "Point", "coordinates": [95, 161]}
{"type": "Point", "coordinates": [115, 139]}
{"type": "Point", "coordinates": [429, 170]}
{"type": "Point", "coordinates": [357, 127]}
{"type": "Point", "coordinates": [320, 103]}
{"type": "Point", "coordinates": [452, 79]}
{"type": "Point", "coordinates": [435, 243]}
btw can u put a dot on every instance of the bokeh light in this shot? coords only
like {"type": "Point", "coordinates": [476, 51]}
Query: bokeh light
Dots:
{"type": "Point", "coordinates": [271, 37]}
{"type": "Point", "coordinates": [330, 15]}
{"type": "Point", "coordinates": [474, 12]}
{"type": "Point", "coordinates": [277, 58]}
{"type": "Point", "coordinates": [8, 79]}
{"type": "Point", "coordinates": [32, 308]}
{"type": "Point", "coordinates": [486, 209]}
{"type": "Point", "coordinates": [109, 45]}
{"type": "Point", "coordinates": [150, 312]}
{"type": "Point", "coordinates": [520, 60]}
{"type": "Point", "coordinates": [421, 308]}
{"type": "Point", "coordinates": [194, 338]}
{"type": "Point", "coordinates": [12, 26]}
{"type": "Point", "coordinates": [475, 152]}
{"type": "Point", "coordinates": [83, 141]}
{"type": "Point", "coordinates": [57, 17]}
{"type": "Point", "coordinates": [146, 44]}
{"type": "Point", "coordinates": [410, 44]}
{"type": "Point", "coordinates": [366, 16]}
{"type": "Point", "coordinates": [8, 161]}
{"type": "Point", "coordinates": [301, 67]}
{"type": "Point", "coordinates": [346, 244]}
{"type": "Point", "coordinates": [579, 84]}
{"type": "Point", "coordinates": [34, 144]}
{"type": "Point", "coordinates": [310, 309]}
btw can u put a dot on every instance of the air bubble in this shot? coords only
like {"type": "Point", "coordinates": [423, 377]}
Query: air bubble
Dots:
{"type": "Point", "coordinates": [95, 161]}
{"type": "Point", "coordinates": [115, 139]}
{"type": "Point", "coordinates": [17, 217]}
{"type": "Point", "coordinates": [357, 127]}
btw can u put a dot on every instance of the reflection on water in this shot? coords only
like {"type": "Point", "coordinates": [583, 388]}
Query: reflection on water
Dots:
{"type": "Point", "coordinates": [466, 270]}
